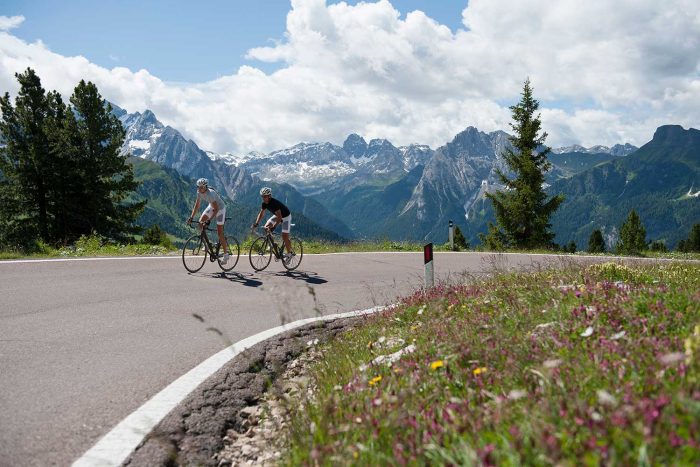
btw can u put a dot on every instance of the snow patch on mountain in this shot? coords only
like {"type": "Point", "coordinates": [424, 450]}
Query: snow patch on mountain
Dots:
{"type": "Point", "coordinates": [235, 159]}
{"type": "Point", "coordinates": [617, 150]}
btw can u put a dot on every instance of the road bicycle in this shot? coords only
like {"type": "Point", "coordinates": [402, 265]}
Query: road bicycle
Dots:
{"type": "Point", "coordinates": [263, 247]}
{"type": "Point", "coordinates": [198, 248]}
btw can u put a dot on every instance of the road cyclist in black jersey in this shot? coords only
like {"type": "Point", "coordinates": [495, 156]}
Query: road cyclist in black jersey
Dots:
{"type": "Point", "coordinates": [215, 210]}
{"type": "Point", "coordinates": [281, 215]}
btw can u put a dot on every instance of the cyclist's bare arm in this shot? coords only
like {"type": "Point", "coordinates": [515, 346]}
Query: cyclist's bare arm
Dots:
{"type": "Point", "coordinates": [257, 219]}
{"type": "Point", "coordinates": [194, 209]}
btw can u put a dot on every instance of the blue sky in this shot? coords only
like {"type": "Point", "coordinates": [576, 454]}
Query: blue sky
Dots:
{"type": "Point", "coordinates": [178, 40]}
{"type": "Point", "coordinates": [238, 76]}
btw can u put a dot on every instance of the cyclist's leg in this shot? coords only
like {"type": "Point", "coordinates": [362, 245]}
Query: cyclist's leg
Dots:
{"type": "Point", "coordinates": [286, 227]}
{"type": "Point", "coordinates": [270, 222]}
{"type": "Point", "coordinates": [206, 215]}
{"type": "Point", "coordinates": [220, 220]}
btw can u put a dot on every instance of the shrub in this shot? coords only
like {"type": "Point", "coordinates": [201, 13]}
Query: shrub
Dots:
{"type": "Point", "coordinates": [596, 244]}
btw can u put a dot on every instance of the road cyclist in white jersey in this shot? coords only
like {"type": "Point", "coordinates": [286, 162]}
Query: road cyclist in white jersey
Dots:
{"type": "Point", "coordinates": [215, 210]}
{"type": "Point", "coordinates": [281, 215]}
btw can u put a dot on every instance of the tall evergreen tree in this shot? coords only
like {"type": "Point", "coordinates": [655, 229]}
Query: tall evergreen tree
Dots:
{"type": "Point", "coordinates": [694, 238]}
{"type": "Point", "coordinates": [692, 243]}
{"type": "Point", "coordinates": [460, 241]}
{"type": "Point", "coordinates": [107, 177]}
{"type": "Point", "coordinates": [596, 244]}
{"type": "Point", "coordinates": [65, 187]}
{"type": "Point", "coordinates": [523, 210]}
{"type": "Point", "coordinates": [24, 163]}
{"type": "Point", "coordinates": [632, 236]}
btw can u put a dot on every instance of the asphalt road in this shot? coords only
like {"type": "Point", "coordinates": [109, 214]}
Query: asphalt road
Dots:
{"type": "Point", "coordinates": [85, 343]}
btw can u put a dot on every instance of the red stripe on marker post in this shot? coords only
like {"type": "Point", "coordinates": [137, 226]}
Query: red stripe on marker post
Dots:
{"type": "Point", "coordinates": [427, 253]}
{"type": "Point", "coordinates": [428, 262]}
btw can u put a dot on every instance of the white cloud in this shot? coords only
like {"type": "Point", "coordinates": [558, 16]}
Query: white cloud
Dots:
{"type": "Point", "coordinates": [610, 71]}
{"type": "Point", "coordinates": [10, 22]}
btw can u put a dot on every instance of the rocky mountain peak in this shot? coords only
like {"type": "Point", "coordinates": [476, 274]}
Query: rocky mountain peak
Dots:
{"type": "Point", "coordinates": [355, 145]}
{"type": "Point", "coordinates": [622, 149]}
{"type": "Point", "coordinates": [666, 133]}
{"type": "Point", "coordinates": [148, 117]}
{"type": "Point", "coordinates": [472, 142]}
{"type": "Point", "coordinates": [377, 145]}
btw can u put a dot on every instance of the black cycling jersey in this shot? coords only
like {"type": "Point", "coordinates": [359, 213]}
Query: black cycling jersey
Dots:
{"type": "Point", "coordinates": [274, 205]}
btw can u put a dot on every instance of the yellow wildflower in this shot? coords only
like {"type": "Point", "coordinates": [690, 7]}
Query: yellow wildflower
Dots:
{"type": "Point", "coordinates": [436, 364]}
{"type": "Point", "coordinates": [478, 371]}
{"type": "Point", "coordinates": [374, 381]}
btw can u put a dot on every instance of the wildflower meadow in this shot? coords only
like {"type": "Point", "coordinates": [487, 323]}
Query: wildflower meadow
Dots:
{"type": "Point", "coordinates": [589, 366]}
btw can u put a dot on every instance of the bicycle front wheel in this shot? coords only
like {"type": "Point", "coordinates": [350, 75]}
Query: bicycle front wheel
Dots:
{"type": "Point", "coordinates": [234, 253]}
{"type": "Point", "coordinates": [294, 260]}
{"type": "Point", "coordinates": [194, 253]}
{"type": "Point", "coordinates": [260, 253]}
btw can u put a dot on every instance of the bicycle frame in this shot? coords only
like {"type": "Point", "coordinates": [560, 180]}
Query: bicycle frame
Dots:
{"type": "Point", "coordinates": [209, 245]}
{"type": "Point", "coordinates": [276, 249]}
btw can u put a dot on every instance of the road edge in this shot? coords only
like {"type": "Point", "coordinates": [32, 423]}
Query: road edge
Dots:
{"type": "Point", "coordinates": [116, 446]}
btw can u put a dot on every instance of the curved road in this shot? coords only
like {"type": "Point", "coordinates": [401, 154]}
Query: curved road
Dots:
{"type": "Point", "coordinates": [83, 343]}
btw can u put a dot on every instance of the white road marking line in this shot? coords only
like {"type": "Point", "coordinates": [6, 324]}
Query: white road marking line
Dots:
{"type": "Point", "coordinates": [101, 258]}
{"type": "Point", "coordinates": [115, 446]}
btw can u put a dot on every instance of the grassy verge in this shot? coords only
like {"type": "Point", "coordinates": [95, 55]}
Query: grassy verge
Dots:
{"type": "Point", "coordinates": [578, 367]}
{"type": "Point", "coordinates": [97, 246]}
{"type": "Point", "coordinates": [86, 247]}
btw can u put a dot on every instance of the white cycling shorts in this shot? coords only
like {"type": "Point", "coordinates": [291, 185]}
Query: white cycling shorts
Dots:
{"type": "Point", "coordinates": [220, 215]}
{"type": "Point", "coordinates": [286, 222]}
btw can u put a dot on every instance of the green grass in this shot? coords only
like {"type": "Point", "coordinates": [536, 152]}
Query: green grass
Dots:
{"type": "Point", "coordinates": [577, 367]}
{"type": "Point", "coordinates": [97, 246]}
{"type": "Point", "coordinates": [85, 247]}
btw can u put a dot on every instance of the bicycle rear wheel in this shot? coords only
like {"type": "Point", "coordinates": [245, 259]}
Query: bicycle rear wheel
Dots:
{"type": "Point", "coordinates": [234, 253]}
{"type": "Point", "coordinates": [194, 253]}
{"type": "Point", "coordinates": [260, 253]}
{"type": "Point", "coordinates": [297, 253]}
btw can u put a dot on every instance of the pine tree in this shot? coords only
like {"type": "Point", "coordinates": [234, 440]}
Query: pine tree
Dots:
{"type": "Point", "coordinates": [523, 210]}
{"type": "Point", "coordinates": [24, 194]}
{"type": "Point", "coordinates": [66, 186]}
{"type": "Point", "coordinates": [632, 236]}
{"type": "Point", "coordinates": [694, 238]}
{"type": "Point", "coordinates": [460, 241]}
{"type": "Point", "coordinates": [596, 244]}
{"type": "Point", "coordinates": [692, 243]}
{"type": "Point", "coordinates": [108, 178]}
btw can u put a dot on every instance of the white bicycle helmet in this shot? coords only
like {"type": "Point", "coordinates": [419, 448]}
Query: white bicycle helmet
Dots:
{"type": "Point", "coordinates": [265, 191]}
{"type": "Point", "coordinates": [202, 182]}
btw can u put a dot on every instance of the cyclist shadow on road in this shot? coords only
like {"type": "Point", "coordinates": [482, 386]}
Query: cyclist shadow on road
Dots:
{"type": "Point", "coordinates": [310, 277]}
{"type": "Point", "coordinates": [246, 279]}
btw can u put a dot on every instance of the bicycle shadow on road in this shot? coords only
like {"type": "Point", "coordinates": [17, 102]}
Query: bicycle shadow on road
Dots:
{"type": "Point", "coordinates": [246, 279]}
{"type": "Point", "coordinates": [310, 277]}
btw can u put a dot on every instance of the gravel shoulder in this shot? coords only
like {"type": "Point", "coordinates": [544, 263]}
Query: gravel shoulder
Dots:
{"type": "Point", "coordinates": [234, 417]}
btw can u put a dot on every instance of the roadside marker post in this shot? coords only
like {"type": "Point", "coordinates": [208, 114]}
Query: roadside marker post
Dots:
{"type": "Point", "coordinates": [428, 262]}
{"type": "Point", "coordinates": [452, 235]}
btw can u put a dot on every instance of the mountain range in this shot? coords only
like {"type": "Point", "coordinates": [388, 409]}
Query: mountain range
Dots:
{"type": "Point", "coordinates": [377, 190]}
